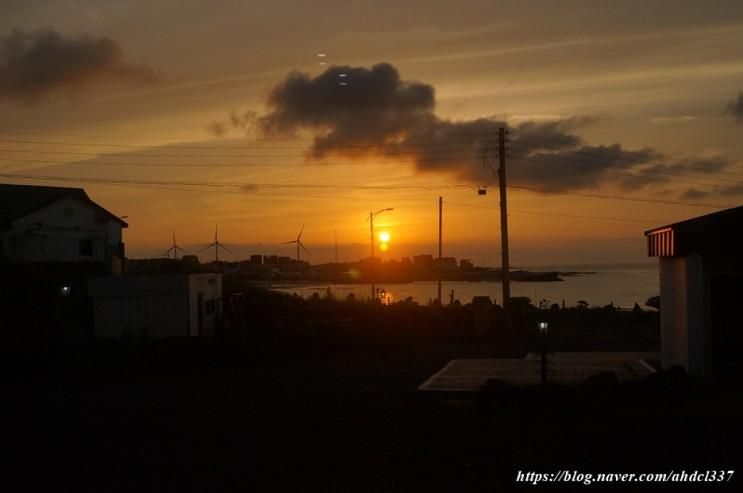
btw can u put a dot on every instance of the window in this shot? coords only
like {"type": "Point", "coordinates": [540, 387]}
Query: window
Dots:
{"type": "Point", "coordinates": [210, 307]}
{"type": "Point", "coordinates": [86, 247]}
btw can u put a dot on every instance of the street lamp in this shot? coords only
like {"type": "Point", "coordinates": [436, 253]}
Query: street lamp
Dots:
{"type": "Point", "coordinates": [372, 215]}
{"type": "Point", "coordinates": [543, 337]}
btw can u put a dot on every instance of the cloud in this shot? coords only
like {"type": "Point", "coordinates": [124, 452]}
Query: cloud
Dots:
{"type": "Point", "coordinates": [217, 128]}
{"type": "Point", "coordinates": [357, 112]}
{"type": "Point", "coordinates": [40, 64]}
{"type": "Point", "coordinates": [673, 119]}
{"type": "Point", "coordinates": [735, 108]}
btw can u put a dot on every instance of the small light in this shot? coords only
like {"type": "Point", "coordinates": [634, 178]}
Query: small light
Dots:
{"type": "Point", "coordinates": [321, 55]}
{"type": "Point", "coordinates": [342, 75]}
{"type": "Point", "coordinates": [65, 290]}
{"type": "Point", "coordinates": [543, 327]}
{"type": "Point", "coordinates": [343, 83]}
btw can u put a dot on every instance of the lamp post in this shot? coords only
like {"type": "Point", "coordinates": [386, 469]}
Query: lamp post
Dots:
{"type": "Point", "coordinates": [372, 215]}
{"type": "Point", "coordinates": [543, 338]}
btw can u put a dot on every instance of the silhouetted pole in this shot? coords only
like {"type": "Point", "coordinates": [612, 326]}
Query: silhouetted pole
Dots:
{"type": "Point", "coordinates": [439, 269]}
{"type": "Point", "coordinates": [504, 227]}
{"type": "Point", "coordinates": [371, 263]}
{"type": "Point", "coordinates": [371, 267]}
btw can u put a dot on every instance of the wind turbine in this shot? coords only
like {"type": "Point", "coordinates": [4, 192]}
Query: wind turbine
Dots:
{"type": "Point", "coordinates": [299, 243]}
{"type": "Point", "coordinates": [174, 249]}
{"type": "Point", "coordinates": [216, 244]}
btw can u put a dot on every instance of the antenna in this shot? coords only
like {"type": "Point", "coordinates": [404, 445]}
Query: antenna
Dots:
{"type": "Point", "coordinates": [299, 243]}
{"type": "Point", "coordinates": [216, 244]}
{"type": "Point", "coordinates": [175, 248]}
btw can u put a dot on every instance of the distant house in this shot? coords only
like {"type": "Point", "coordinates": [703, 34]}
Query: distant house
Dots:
{"type": "Point", "coordinates": [45, 225]}
{"type": "Point", "coordinates": [154, 307]}
{"type": "Point", "coordinates": [701, 275]}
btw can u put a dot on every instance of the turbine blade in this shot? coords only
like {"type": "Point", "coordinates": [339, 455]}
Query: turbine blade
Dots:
{"type": "Point", "coordinates": [288, 242]}
{"type": "Point", "coordinates": [300, 232]}
{"type": "Point", "coordinates": [304, 248]}
{"type": "Point", "coordinates": [207, 247]}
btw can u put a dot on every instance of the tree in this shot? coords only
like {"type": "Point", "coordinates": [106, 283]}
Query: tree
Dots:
{"type": "Point", "coordinates": [653, 302]}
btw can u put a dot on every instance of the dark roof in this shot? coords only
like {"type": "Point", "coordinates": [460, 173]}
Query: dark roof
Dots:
{"type": "Point", "coordinates": [17, 201]}
{"type": "Point", "coordinates": [718, 233]}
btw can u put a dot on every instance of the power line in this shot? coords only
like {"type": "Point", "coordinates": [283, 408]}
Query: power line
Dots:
{"type": "Point", "coordinates": [227, 165]}
{"type": "Point", "coordinates": [622, 198]}
{"type": "Point", "coordinates": [394, 145]}
{"type": "Point", "coordinates": [247, 185]}
{"type": "Point", "coordinates": [542, 213]}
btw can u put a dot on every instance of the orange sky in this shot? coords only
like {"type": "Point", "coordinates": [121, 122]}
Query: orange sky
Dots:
{"type": "Point", "coordinates": [650, 74]}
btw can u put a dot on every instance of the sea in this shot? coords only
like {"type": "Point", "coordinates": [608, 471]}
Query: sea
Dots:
{"type": "Point", "coordinates": [622, 285]}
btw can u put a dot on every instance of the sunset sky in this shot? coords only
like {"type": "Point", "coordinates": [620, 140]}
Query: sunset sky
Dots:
{"type": "Point", "coordinates": [181, 115]}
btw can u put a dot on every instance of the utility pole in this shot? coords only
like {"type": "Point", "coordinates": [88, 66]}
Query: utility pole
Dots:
{"type": "Point", "coordinates": [439, 269]}
{"type": "Point", "coordinates": [371, 263]}
{"type": "Point", "coordinates": [504, 227]}
{"type": "Point", "coordinates": [371, 236]}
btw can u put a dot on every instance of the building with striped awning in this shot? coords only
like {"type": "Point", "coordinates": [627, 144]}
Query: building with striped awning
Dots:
{"type": "Point", "coordinates": [701, 280]}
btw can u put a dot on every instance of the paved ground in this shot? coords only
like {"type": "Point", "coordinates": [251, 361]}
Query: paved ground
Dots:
{"type": "Point", "coordinates": [469, 375]}
{"type": "Point", "coordinates": [349, 424]}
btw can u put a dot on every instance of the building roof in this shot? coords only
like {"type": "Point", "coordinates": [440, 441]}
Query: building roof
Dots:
{"type": "Point", "coordinates": [17, 201]}
{"type": "Point", "coordinates": [719, 233]}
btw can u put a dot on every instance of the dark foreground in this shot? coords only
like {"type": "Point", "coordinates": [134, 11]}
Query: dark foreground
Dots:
{"type": "Point", "coordinates": [349, 423]}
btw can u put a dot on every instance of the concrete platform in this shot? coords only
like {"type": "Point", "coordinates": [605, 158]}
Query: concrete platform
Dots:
{"type": "Point", "coordinates": [468, 375]}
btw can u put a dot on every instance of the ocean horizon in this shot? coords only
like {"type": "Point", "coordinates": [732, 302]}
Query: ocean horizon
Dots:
{"type": "Point", "coordinates": [599, 284]}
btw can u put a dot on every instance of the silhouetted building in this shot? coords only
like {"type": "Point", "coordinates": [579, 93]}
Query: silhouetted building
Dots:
{"type": "Point", "coordinates": [61, 226]}
{"type": "Point", "coordinates": [190, 259]}
{"type": "Point", "coordinates": [423, 261]}
{"type": "Point", "coordinates": [466, 264]}
{"type": "Point", "coordinates": [446, 263]}
{"type": "Point", "coordinates": [701, 273]}
{"type": "Point", "coordinates": [256, 259]}
{"type": "Point", "coordinates": [153, 307]}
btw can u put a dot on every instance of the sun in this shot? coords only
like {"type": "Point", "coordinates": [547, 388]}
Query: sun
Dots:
{"type": "Point", "coordinates": [384, 237]}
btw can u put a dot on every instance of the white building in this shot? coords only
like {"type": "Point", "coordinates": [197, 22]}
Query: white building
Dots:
{"type": "Point", "coordinates": [154, 307]}
{"type": "Point", "coordinates": [701, 274]}
{"type": "Point", "coordinates": [41, 225]}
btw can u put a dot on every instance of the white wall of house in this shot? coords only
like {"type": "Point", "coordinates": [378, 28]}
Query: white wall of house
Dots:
{"type": "Point", "coordinates": [156, 306]}
{"type": "Point", "coordinates": [684, 313]}
{"type": "Point", "coordinates": [205, 303]}
{"type": "Point", "coordinates": [134, 317]}
{"type": "Point", "coordinates": [67, 230]}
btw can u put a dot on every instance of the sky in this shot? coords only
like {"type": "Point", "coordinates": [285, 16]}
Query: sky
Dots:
{"type": "Point", "coordinates": [263, 117]}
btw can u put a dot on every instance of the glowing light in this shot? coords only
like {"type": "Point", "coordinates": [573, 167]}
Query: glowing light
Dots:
{"type": "Point", "coordinates": [384, 247]}
{"type": "Point", "coordinates": [384, 237]}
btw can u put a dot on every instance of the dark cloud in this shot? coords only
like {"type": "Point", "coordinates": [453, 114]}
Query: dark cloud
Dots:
{"type": "Point", "coordinates": [695, 194]}
{"type": "Point", "coordinates": [359, 112]}
{"type": "Point", "coordinates": [216, 128]}
{"type": "Point", "coordinates": [34, 65]}
{"type": "Point", "coordinates": [735, 108]}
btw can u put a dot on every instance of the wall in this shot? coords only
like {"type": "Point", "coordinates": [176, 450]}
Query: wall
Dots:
{"type": "Point", "coordinates": [53, 234]}
{"type": "Point", "coordinates": [684, 289]}
{"type": "Point", "coordinates": [134, 317]}
{"type": "Point", "coordinates": [210, 286]}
